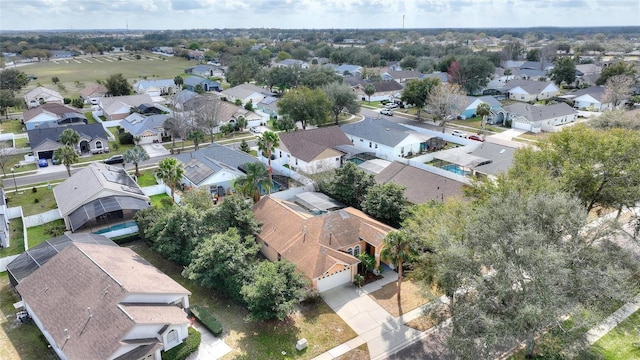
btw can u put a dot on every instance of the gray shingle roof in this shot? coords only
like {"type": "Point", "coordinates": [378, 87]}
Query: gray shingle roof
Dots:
{"type": "Point", "coordinates": [595, 92]}
{"type": "Point", "coordinates": [377, 130]}
{"type": "Point", "coordinates": [137, 124]}
{"type": "Point", "coordinates": [40, 135]}
{"type": "Point", "coordinates": [245, 90]}
{"type": "Point", "coordinates": [530, 86]}
{"type": "Point", "coordinates": [306, 145]}
{"type": "Point", "coordinates": [539, 113]}
{"type": "Point", "coordinates": [201, 164]}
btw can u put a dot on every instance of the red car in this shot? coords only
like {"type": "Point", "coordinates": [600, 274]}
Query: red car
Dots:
{"type": "Point", "coordinates": [476, 137]}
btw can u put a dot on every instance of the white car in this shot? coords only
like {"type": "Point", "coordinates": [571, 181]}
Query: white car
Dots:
{"type": "Point", "coordinates": [459, 133]}
{"type": "Point", "coordinates": [391, 106]}
{"type": "Point", "coordinates": [386, 112]}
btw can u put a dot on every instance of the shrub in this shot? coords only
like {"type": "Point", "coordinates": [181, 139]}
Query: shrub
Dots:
{"type": "Point", "coordinates": [188, 347]}
{"type": "Point", "coordinates": [54, 229]}
{"type": "Point", "coordinates": [166, 202]}
{"type": "Point", "coordinates": [125, 138]}
{"type": "Point", "coordinates": [36, 200]}
{"type": "Point", "coordinates": [207, 319]}
{"type": "Point", "coordinates": [34, 189]}
{"type": "Point", "coordinates": [66, 101]}
{"type": "Point", "coordinates": [358, 280]}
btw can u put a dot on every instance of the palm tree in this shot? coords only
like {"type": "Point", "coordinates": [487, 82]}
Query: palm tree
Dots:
{"type": "Point", "coordinates": [170, 171]}
{"type": "Point", "coordinates": [178, 80]}
{"type": "Point", "coordinates": [256, 178]}
{"type": "Point", "coordinates": [70, 137]}
{"type": "Point", "coordinates": [483, 110]}
{"type": "Point", "coordinates": [369, 90]}
{"type": "Point", "coordinates": [268, 143]}
{"type": "Point", "coordinates": [67, 156]}
{"type": "Point", "coordinates": [134, 156]}
{"type": "Point", "coordinates": [197, 137]}
{"type": "Point", "coordinates": [398, 250]}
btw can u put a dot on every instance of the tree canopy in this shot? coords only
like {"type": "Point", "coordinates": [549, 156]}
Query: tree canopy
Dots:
{"type": "Point", "coordinates": [309, 106]}
{"type": "Point", "coordinates": [416, 92]}
{"type": "Point", "coordinates": [341, 99]}
{"type": "Point", "coordinates": [117, 85]}
{"type": "Point", "coordinates": [564, 70]}
{"type": "Point", "coordinates": [13, 79]}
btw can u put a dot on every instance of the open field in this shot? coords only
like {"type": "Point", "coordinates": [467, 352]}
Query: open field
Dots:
{"type": "Point", "coordinates": [77, 72]}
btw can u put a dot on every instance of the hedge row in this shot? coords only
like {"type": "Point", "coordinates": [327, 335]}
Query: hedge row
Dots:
{"type": "Point", "coordinates": [208, 320]}
{"type": "Point", "coordinates": [188, 346]}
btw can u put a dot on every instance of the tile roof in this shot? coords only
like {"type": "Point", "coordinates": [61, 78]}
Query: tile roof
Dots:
{"type": "Point", "coordinates": [421, 186]}
{"type": "Point", "coordinates": [76, 297]}
{"type": "Point", "coordinates": [313, 242]}
{"type": "Point", "coordinates": [307, 145]}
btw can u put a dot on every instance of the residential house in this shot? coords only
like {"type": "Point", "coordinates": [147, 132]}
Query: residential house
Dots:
{"type": "Point", "coordinates": [401, 76]}
{"type": "Point", "coordinates": [92, 93]}
{"type": "Point", "coordinates": [388, 139]}
{"type": "Point", "coordinates": [311, 151]}
{"type": "Point", "coordinates": [292, 63]}
{"type": "Point", "coordinates": [590, 98]}
{"type": "Point", "coordinates": [119, 107]}
{"type": "Point", "coordinates": [442, 76]}
{"type": "Point", "coordinates": [473, 102]}
{"type": "Point", "coordinates": [205, 70]}
{"type": "Point", "coordinates": [149, 129]}
{"type": "Point", "coordinates": [52, 114]}
{"type": "Point", "coordinates": [158, 87]}
{"type": "Point", "coordinates": [5, 235]}
{"type": "Point", "coordinates": [230, 113]}
{"type": "Point", "coordinates": [421, 186]}
{"type": "Point", "coordinates": [246, 93]}
{"type": "Point", "coordinates": [587, 73]}
{"type": "Point", "coordinates": [214, 168]}
{"type": "Point", "coordinates": [384, 90]}
{"type": "Point", "coordinates": [324, 244]}
{"type": "Point", "coordinates": [42, 95]}
{"type": "Point", "coordinates": [102, 301]}
{"type": "Point", "coordinates": [531, 70]}
{"type": "Point", "coordinates": [98, 196]}
{"type": "Point", "coordinates": [269, 106]}
{"type": "Point", "coordinates": [44, 140]}
{"type": "Point", "coordinates": [347, 70]}
{"type": "Point", "coordinates": [192, 82]}
{"type": "Point", "coordinates": [530, 90]}
{"type": "Point", "coordinates": [536, 118]}
{"type": "Point", "coordinates": [180, 99]}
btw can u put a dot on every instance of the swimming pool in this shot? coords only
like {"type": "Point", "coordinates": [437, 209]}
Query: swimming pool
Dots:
{"type": "Point", "coordinates": [124, 225]}
{"type": "Point", "coordinates": [456, 169]}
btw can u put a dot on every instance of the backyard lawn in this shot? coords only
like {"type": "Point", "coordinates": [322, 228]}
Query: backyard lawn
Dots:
{"type": "Point", "coordinates": [12, 126]}
{"type": "Point", "coordinates": [40, 233]}
{"type": "Point", "coordinates": [147, 178]}
{"type": "Point", "coordinates": [322, 328]}
{"type": "Point", "coordinates": [32, 202]}
{"type": "Point", "coordinates": [17, 239]}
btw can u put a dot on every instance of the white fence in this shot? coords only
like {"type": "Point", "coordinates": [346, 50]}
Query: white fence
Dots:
{"type": "Point", "coordinates": [155, 190]}
{"type": "Point", "coordinates": [14, 213]}
{"type": "Point", "coordinates": [5, 261]}
{"type": "Point", "coordinates": [42, 218]}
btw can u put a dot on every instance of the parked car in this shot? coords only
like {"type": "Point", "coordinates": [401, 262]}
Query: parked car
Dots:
{"type": "Point", "coordinates": [392, 106]}
{"type": "Point", "coordinates": [386, 112]}
{"type": "Point", "coordinates": [55, 160]}
{"type": "Point", "coordinates": [459, 133]}
{"type": "Point", "coordinates": [476, 137]}
{"type": "Point", "coordinates": [115, 159]}
{"type": "Point", "coordinates": [43, 163]}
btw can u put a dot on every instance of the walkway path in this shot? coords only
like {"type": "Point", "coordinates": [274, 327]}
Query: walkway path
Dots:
{"type": "Point", "coordinates": [382, 333]}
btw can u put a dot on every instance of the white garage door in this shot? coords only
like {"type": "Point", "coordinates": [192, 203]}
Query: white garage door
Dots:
{"type": "Point", "coordinates": [336, 279]}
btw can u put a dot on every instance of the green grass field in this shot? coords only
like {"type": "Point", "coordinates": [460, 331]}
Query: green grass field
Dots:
{"type": "Point", "coordinates": [623, 342]}
{"type": "Point", "coordinates": [76, 73]}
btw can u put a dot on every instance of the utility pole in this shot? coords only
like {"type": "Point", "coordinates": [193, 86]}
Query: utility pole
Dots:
{"type": "Point", "coordinates": [403, 22]}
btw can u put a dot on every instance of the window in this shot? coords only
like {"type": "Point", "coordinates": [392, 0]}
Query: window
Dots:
{"type": "Point", "coordinates": [350, 251]}
{"type": "Point", "coordinates": [369, 143]}
{"type": "Point", "coordinates": [280, 153]}
{"type": "Point", "coordinates": [356, 251]}
{"type": "Point", "coordinates": [172, 337]}
{"type": "Point", "coordinates": [98, 144]}
{"type": "Point", "coordinates": [376, 146]}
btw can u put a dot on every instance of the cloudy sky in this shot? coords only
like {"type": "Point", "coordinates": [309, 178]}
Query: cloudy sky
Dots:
{"type": "Point", "coordinates": [312, 14]}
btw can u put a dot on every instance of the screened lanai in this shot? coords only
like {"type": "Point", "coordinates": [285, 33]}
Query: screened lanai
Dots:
{"type": "Point", "coordinates": [105, 210]}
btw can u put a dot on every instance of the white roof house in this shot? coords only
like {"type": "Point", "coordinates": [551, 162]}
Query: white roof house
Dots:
{"type": "Point", "coordinates": [42, 95]}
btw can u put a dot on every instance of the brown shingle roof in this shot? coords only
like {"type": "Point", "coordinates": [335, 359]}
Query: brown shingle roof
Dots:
{"type": "Point", "coordinates": [53, 108]}
{"type": "Point", "coordinates": [306, 145]}
{"type": "Point", "coordinates": [420, 186]}
{"type": "Point", "coordinates": [313, 243]}
{"type": "Point", "coordinates": [84, 276]}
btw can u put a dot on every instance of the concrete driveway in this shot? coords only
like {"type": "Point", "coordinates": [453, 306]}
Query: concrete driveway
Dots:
{"type": "Point", "coordinates": [155, 150]}
{"type": "Point", "coordinates": [382, 333]}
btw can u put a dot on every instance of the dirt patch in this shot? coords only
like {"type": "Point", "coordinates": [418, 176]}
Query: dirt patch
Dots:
{"type": "Point", "coordinates": [412, 297]}
{"type": "Point", "coordinates": [359, 353]}
{"type": "Point", "coordinates": [432, 318]}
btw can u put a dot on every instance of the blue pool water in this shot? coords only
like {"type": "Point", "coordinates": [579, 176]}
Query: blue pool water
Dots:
{"type": "Point", "coordinates": [117, 227]}
{"type": "Point", "coordinates": [456, 169]}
